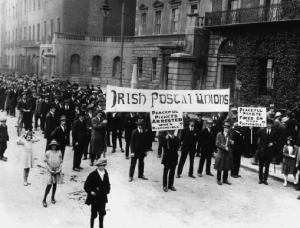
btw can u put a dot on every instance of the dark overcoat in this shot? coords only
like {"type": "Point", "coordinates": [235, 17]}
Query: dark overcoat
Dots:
{"type": "Point", "coordinates": [98, 136]}
{"type": "Point", "coordinates": [3, 137]}
{"type": "Point", "coordinates": [263, 149]}
{"type": "Point", "coordinates": [138, 143]}
{"type": "Point", "coordinates": [223, 160]}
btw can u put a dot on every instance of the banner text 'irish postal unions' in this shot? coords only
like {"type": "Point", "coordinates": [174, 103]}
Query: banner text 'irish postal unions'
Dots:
{"type": "Point", "coordinates": [252, 117]}
{"type": "Point", "coordinates": [121, 99]}
{"type": "Point", "coordinates": [166, 120]}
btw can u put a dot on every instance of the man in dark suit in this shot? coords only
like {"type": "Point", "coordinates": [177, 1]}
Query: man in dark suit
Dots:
{"type": "Point", "coordinates": [13, 102]}
{"type": "Point", "coordinates": [138, 150]}
{"type": "Point", "coordinates": [3, 139]}
{"type": "Point", "coordinates": [59, 110]}
{"type": "Point", "coordinates": [38, 111]}
{"type": "Point", "coordinates": [189, 138]}
{"type": "Point", "coordinates": [79, 137]}
{"type": "Point", "coordinates": [50, 124]}
{"type": "Point", "coordinates": [97, 186]}
{"type": "Point", "coordinates": [108, 127]}
{"type": "Point", "coordinates": [130, 125]}
{"type": "Point", "coordinates": [237, 149]}
{"type": "Point", "coordinates": [266, 150]}
{"type": "Point", "coordinates": [60, 135]}
{"type": "Point", "coordinates": [170, 145]}
{"type": "Point", "coordinates": [116, 130]}
{"type": "Point", "coordinates": [207, 143]}
{"type": "Point", "coordinates": [25, 107]}
{"type": "Point", "coordinates": [45, 110]}
{"type": "Point", "coordinates": [67, 113]}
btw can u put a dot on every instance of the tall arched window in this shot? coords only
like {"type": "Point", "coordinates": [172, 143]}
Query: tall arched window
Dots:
{"type": "Point", "coordinates": [75, 64]}
{"type": "Point", "coordinates": [96, 65]}
{"type": "Point", "coordinates": [116, 67]}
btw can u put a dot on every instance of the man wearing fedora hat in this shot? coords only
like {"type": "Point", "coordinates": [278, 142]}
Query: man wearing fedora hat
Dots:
{"type": "Point", "coordinates": [207, 144]}
{"type": "Point", "coordinates": [138, 150]}
{"type": "Point", "coordinates": [3, 138]}
{"type": "Point", "coordinates": [237, 149]}
{"type": "Point", "coordinates": [97, 186]}
{"type": "Point", "coordinates": [50, 124]}
{"type": "Point", "coordinates": [266, 150]}
{"type": "Point", "coordinates": [189, 138]}
{"type": "Point", "coordinates": [60, 135]}
{"type": "Point", "coordinates": [79, 136]}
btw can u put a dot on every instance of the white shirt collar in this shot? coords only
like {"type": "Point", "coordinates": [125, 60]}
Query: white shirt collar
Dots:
{"type": "Point", "coordinates": [101, 173]}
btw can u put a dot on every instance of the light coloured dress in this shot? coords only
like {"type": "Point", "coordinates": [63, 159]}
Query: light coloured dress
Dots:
{"type": "Point", "coordinates": [53, 158]}
{"type": "Point", "coordinates": [28, 158]}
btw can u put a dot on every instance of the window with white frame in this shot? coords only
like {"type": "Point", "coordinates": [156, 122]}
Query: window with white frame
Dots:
{"type": "Point", "coordinates": [175, 20]}
{"type": "Point", "coordinates": [158, 22]}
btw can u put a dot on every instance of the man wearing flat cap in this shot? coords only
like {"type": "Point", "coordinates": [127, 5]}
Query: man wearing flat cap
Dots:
{"type": "Point", "coordinates": [138, 150]}
{"type": "Point", "coordinates": [97, 186]}
{"type": "Point", "coordinates": [24, 106]}
{"type": "Point", "coordinates": [3, 138]}
{"type": "Point", "coordinates": [60, 135]}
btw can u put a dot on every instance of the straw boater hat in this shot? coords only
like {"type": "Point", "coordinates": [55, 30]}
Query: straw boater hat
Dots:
{"type": "Point", "coordinates": [53, 142]}
{"type": "Point", "coordinates": [101, 161]}
{"type": "Point", "coordinates": [277, 114]}
{"type": "Point", "coordinates": [209, 121]}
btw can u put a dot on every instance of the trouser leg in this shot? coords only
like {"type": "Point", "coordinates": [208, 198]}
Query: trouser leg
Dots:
{"type": "Point", "coordinates": [267, 166]}
{"type": "Point", "coordinates": [183, 157]}
{"type": "Point", "coordinates": [132, 166]}
{"type": "Point", "coordinates": [208, 162]}
{"type": "Point", "coordinates": [192, 157]}
{"type": "Point", "coordinates": [201, 162]}
{"type": "Point", "coordinates": [219, 173]}
{"type": "Point", "coordinates": [114, 138]}
{"type": "Point", "coordinates": [127, 147]}
{"type": "Point", "coordinates": [171, 176]}
{"type": "Point", "coordinates": [36, 118]}
{"type": "Point", "coordinates": [160, 144]}
{"type": "Point", "coordinates": [165, 176]}
{"type": "Point", "coordinates": [141, 167]}
{"type": "Point", "coordinates": [120, 138]}
{"type": "Point", "coordinates": [261, 167]}
{"type": "Point", "coordinates": [62, 149]}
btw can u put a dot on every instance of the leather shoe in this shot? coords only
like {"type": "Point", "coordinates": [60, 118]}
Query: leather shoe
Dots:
{"type": "Point", "coordinates": [239, 175]}
{"type": "Point", "coordinates": [122, 150]}
{"type": "Point", "coordinates": [127, 157]}
{"type": "Point", "coordinates": [172, 188]}
{"type": "Point", "coordinates": [260, 182]}
{"type": "Point", "coordinates": [227, 182]}
{"type": "Point", "coordinates": [199, 174]}
{"type": "Point", "coordinates": [113, 150]}
{"type": "Point", "coordinates": [209, 174]}
{"type": "Point", "coordinates": [178, 176]}
{"type": "Point", "coordinates": [143, 177]}
{"type": "Point", "coordinates": [165, 189]}
{"type": "Point", "coordinates": [79, 167]}
{"type": "Point", "coordinates": [266, 183]}
{"type": "Point", "coordinates": [130, 179]}
{"type": "Point", "coordinates": [298, 198]}
{"type": "Point", "coordinates": [91, 164]}
{"type": "Point", "coordinates": [76, 169]}
{"type": "Point", "coordinates": [192, 176]}
{"type": "Point", "coordinates": [234, 176]}
{"type": "Point", "coordinates": [219, 183]}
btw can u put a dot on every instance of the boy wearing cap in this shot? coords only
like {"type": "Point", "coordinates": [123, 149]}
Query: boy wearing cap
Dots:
{"type": "Point", "coordinates": [3, 138]}
{"type": "Point", "coordinates": [97, 186]}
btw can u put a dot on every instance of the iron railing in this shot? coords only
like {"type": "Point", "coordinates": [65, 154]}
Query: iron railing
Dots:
{"type": "Point", "coordinates": [275, 12]}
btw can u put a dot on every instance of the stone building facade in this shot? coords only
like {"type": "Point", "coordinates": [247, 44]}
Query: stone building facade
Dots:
{"type": "Point", "coordinates": [67, 39]}
{"type": "Point", "coordinates": [254, 50]}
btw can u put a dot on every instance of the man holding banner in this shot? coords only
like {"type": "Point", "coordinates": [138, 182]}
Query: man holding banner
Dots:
{"type": "Point", "coordinates": [138, 150]}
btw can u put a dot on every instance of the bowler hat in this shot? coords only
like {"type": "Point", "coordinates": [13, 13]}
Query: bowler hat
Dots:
{"type": "Point", "coordinates": [209, 121]}
{"type": "Point", "coordinates": [141, 122]}
{"type": "Point", "coordinates": [63, 117]}
{"type": "Point", "coordinates": [277, 114]}
{"type": "Point", "coordinates": [101, 161]}
{"type": "Point", "coordinates": [290, 138]}
{"type": "Point", "coordinates": [226, 125]}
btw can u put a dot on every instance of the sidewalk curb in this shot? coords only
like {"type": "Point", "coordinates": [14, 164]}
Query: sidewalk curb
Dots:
{"type": "Point", "coordinates": [270, 175]}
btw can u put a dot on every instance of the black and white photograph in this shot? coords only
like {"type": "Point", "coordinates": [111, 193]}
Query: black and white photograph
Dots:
{"type": "Point", "coordinates": [149, 113]}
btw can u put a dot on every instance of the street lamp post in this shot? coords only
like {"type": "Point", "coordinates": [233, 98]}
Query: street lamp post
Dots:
{"type": "Point", "coordinates": [105, 10]}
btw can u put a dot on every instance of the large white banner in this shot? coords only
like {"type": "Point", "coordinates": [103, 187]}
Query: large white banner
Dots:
{"type": "Point", "coordinates": [121, 99]}
{"type": "Point", "coordinates": [166, 120]}
{"type": "Point", "coordinates": [252, 117]}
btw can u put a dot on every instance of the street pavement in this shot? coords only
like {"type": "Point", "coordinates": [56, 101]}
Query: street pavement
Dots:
{"type": "Point", "coordinates": [198, 202]}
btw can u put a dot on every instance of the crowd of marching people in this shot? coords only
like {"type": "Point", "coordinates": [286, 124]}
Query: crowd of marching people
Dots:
{"type": "Point", "coordinates": [69, 115]}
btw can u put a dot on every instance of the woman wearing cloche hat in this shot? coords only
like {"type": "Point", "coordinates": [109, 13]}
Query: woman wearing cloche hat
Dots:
{"type": "Point", "coordinates": [289, 160]}
{"type": "Point", "coordinates": [53, 160]}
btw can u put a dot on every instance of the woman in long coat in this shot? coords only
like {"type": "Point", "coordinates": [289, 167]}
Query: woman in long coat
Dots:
{"type": "Point", "coordinates": [98, 136]}
{"type": "Point", "coordinates": [224, 160]}
{"type": "Point", "coordinates": [289, 160]}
